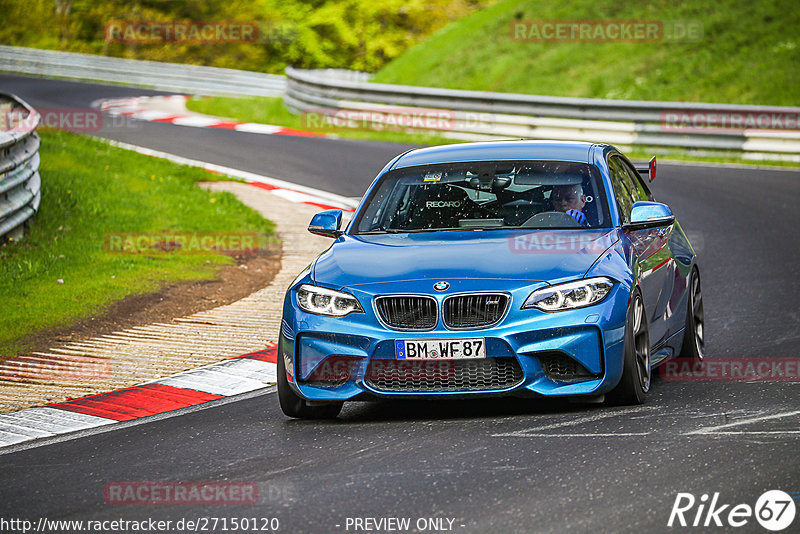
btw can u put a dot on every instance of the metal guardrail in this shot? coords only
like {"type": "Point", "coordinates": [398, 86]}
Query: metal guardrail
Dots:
{"type": "Point", "coordinates": [193, 79]}
{"type": "Point", "coordinates": [486, 115]}
{"type": "Point", "coordinates": [20, 183]}
{"type": "Point", "coordinates": [473, 115]}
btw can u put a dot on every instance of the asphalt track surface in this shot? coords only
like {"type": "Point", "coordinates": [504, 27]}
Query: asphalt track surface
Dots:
{"type": "Point", "coordinates": [503, 465]}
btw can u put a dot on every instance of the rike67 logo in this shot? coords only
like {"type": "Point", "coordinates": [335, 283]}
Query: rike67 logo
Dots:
{"type": "Point", "coordinates": [774, 510]}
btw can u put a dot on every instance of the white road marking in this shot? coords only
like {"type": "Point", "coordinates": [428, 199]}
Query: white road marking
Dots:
{"type": "Point", "coordinates": [536, 431]}
{"type": "Point", "coordinates": [37, 423]}
{"type": "Point", "coordinates": [68, 420]}
{"type": "Point", "coordinates": [195, 121]}
{"type": "Point", "coordinates": [213, 382]}
{"type": "Point", "coordinates": [151, 115]}
{"type": "Point", "coordinates": [254, 127]}
{"type": "Point", "coordinates": [9, 438]}
{"type": "Point", "coordinates": [750, 432]}
{"type": "Point", "coordinates": [294, 196]}
{"type": "Point", "coordinates": [231, 377]}
{"type": "Point", "coordinates": [256, 369]}
{"type": "Point", "coordinates": [598, 435]}
{"type": "Point", "coordinates": [13, 426]}
{"type": "Point", "coordinates": [714, 429]}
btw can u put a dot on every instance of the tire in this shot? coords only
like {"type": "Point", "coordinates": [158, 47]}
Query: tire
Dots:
{"type": "Point", "coordinates": [295, 406]}
{"type": "Point", "coordinates": [637, 370]}
{"type": "Point", "coordinates": [694, 336]}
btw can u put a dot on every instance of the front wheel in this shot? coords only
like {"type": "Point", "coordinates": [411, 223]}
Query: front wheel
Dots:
{"type": "Point", "coordinates": [295, 406]}
{"type": "Point", "coordinates": [636, 371]}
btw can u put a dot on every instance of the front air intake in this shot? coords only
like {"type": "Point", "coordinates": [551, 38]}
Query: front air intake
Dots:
{"type": "Point", "coordinates": [559, 366]}
{"type": "Point", "coordinates": [420, 376]}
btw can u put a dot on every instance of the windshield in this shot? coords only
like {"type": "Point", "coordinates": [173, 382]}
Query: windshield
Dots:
{"type": "Point", "coordinates": [485, 196]}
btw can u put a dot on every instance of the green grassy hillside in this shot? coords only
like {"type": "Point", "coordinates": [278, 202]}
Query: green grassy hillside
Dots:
{"type": "Point", "coordinates": [749, 53]}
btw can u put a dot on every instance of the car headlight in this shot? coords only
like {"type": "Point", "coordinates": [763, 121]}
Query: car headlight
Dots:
{"type": "Point", "coordinates": [324, 301]}
{"type": "Point", "coordinates": [571, 295]}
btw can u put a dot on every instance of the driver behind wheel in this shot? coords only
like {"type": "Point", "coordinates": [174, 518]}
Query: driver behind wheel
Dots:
{"type": "Point", "coordinates": [571, 200]}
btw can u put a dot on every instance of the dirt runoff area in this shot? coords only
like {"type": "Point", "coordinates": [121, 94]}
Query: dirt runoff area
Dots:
{"type": "Point", "coordinates": [249, 274]}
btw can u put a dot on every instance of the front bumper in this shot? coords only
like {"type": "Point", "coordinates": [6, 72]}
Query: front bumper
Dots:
{"type": "Point", "coordinates": [335, 359]}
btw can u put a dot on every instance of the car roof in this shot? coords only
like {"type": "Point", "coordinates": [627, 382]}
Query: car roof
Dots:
{"type": "Point", "coordinates": [498, 150]}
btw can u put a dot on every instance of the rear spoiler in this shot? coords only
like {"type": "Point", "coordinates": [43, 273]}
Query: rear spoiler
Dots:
{"type": "Point", "coordinates": [650, 170]}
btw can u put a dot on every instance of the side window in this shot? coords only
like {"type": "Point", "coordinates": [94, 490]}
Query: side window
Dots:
{"type": "Point", "coordinates": [624, 190]}
{"type": "Point", "coordinates": [641, 191]}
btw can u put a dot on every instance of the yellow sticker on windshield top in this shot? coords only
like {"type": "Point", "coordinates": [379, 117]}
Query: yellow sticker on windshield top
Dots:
{"type": "Point", "coordinates": [432, 177]}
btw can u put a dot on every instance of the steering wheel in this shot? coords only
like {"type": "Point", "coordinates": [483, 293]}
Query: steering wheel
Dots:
{"type": "Point", "coordinates": [550, 219]}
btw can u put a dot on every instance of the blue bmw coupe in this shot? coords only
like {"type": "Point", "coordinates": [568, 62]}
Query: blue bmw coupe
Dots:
{"type": "Point", "coordinates": [525, 268]}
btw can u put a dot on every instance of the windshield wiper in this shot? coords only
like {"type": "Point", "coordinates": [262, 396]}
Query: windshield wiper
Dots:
{"type": "Point", "coordinates": [382, 231]}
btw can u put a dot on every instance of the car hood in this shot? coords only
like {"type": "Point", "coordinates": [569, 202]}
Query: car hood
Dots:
{"type": "Point", "coordinates": [536, 255]}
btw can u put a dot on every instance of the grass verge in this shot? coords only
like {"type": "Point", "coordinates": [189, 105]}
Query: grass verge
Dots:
{"type": "Point", "coordinates": [62, 271]}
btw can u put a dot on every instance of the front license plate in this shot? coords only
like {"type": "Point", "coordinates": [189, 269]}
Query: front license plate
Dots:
{"type": "Point", "coordinates": [440, 349]}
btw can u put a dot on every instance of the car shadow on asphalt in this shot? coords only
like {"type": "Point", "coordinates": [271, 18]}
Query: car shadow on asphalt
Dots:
{"type": "Point", "coordinates": [461, 409]}
{"type": "Point", "coordinates": [456, 409]}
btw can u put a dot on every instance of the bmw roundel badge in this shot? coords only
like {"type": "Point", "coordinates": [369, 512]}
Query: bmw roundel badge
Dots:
{"type": "Point", "coordinates": [441, 286]}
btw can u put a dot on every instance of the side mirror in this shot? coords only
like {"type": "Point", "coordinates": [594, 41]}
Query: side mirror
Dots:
{"type": "Point", "coordinates": [326, 223]}
{"type": "Point", "coordinates": [649, 215]}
